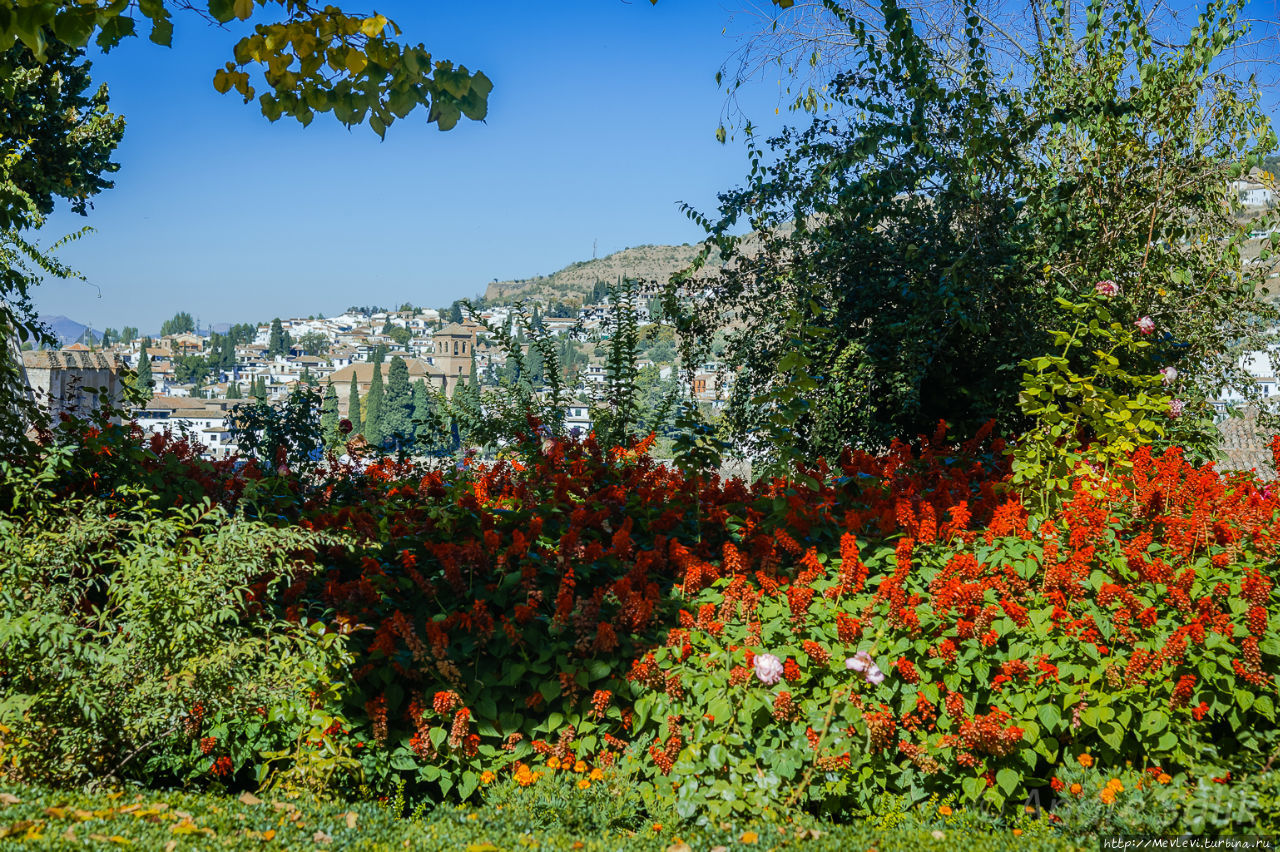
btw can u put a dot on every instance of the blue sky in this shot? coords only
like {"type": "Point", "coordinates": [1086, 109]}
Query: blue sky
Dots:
{"type": "Point", "coordinates": [602, 118]}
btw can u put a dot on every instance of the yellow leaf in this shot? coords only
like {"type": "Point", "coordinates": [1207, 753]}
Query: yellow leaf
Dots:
{"type": "Point", "coordinates": [356, 61]}
{"type": "Point", "coordinates": [247, 798]}
{"type": "Point", "coordinates": [243, 9]}
{"type": "Point", "coordinates": [269, 834]}
{"type": "Point", "coordinates": [372, 26]}
{"type": "Point", "coordinates": [351, 819]}
{"type": "Point", "coordinates": [184, 827]}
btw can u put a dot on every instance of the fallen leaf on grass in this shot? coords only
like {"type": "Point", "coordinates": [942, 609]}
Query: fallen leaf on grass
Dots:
{"type": "Point", "coordinates": [247, 798]}
{"type": "Point", "coordinates": [10, 799]}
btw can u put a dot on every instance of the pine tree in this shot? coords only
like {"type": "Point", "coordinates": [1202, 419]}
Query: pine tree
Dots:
{"type": "Point", "coordinates": [353, 404]}
{"type": "Point", "coordinates": [275, 343]}
{"type": "Point", "coordinates": [144, 364]}
{"type": "Point", "coordinates": [397, 409]}
{"type": "Point", "coordinates": [374, 431]}
{"type": "Point", "coordinates": [329, 416]}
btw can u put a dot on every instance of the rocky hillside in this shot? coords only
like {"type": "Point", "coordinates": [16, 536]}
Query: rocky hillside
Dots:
{"type": "Point", "coordinates": [648, 263]}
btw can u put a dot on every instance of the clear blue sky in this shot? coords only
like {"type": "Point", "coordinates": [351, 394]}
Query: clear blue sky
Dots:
{"type": "Point", "coordinates": [602, 118]}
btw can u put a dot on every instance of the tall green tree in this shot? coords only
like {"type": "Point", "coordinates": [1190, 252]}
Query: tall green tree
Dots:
{"type": "Point", "coordinates": [128, 334]}
{"type": "Point", "coordinates": [397, 409]}
{"type": "Point", "coordinates": [423, 412]}
{"type": "Point", "coordinates": [329, 416]}
{"type": "Point", "coordinates": [374, 430]}
{"type": "Point", "coordinates": [260, 389]}
{"type": "Point", "coordinates": [353, 404]}
{"type": "Point", "coordinates": [275, 341]}
{"type": "Point", "coordinates": [145, 379]}
{"type": "Point", "coordinates": [233, 391]}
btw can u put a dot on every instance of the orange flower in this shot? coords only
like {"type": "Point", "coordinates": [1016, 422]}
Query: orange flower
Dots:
{"type": "Point", "coordinates": [597, 774]}
{"type": "Point", "coordinates": [1164, 778]}
{"type": "Point", "coordinates": [1017, 832]}
{"type": "Point", "coordinates": [580, 767]}
{"type": "Point", "coordinates": [487, 777]}
{"type": "Point", "coordinates": [1075, 789]}
{"type": "Point", "coordinates": [749, 837]}
{"type": "Point", "coordinates": [553, 763]}
{"type": "Point", "coordinates": [944, 810]}
{"type": "Point", "coordinates": [1114, 784]}
{"type": "Point", "coordinates": [1085, 760]}
{"type": "Point", "coordinates": [1107, 796]}
{"type": "Point", "coordinates": [584, 784]}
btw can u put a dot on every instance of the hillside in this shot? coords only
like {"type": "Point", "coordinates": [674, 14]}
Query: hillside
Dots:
{"type": "Point", "coordinates": [650, 263]}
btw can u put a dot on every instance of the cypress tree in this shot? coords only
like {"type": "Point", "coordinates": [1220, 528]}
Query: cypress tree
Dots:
{"type": "Point", "coordinates": [374, 431]}
{"type": "Point", "coordinates": [260, 389]}
{"type": "Point", "coordinates": [233, 391]}
{"type": "Point", "coordinates": [422, 411]}
{"type": "Point", "coordinates": [275, 343]}
{"type": "Point", "coordinates": [329, 416]}
{"type": "Point", "coordinates": [144, 364]}
{"type": "Point", "coordinates": [353, 405]}
{"type": "Point", "coordinates": [397, 408]}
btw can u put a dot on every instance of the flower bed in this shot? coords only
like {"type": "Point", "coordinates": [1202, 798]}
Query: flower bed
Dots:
{"type": "Point", "coordinates": [884, 625]}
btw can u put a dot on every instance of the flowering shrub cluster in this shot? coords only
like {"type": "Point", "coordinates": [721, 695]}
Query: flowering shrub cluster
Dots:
{"type": "Point", "coordinates": [897, 623]}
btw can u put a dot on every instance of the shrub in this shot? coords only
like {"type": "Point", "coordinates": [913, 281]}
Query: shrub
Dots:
{"type": "Point", "coordinates": [135, 649]}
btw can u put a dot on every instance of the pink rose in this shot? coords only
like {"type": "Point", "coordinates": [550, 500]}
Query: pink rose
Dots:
{"type": "Point", "coordinates": [768, 669]}
{"type": "Point", "coordinates": [1107, 288]}
{"type": "Point", "coordinates": [1146, 325]}
{"type": "Point", "coordinates": [1168, 375]}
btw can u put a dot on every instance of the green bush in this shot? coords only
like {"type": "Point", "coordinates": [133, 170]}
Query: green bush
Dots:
{"type": "Point", "coordinates": [143, 645]}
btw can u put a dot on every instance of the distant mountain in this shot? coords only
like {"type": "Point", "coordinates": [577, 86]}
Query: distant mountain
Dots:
{"type": "Point", "coordinates": [649, 263]}
{"type": "Point", "coordinates": [67, 330]}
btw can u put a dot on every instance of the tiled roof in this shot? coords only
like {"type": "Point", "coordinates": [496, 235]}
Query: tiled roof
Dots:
{"type": "Point", "coordinates": [1246, 446]}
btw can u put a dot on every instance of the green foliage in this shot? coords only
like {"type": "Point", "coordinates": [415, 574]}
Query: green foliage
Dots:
{"type": "Point", "coordinates": [128, 637]}
{"type": "Point", "coordinates": [145, 380]}
{"type": "Point", "coordinates": [311, 60]}
{"type": "Point", "coordinates": [397, 409]}
{"type": "Point", "coordinates": [1130, 180]}
{"type": "Point", "coordinates": [882, 289]}
{"type": "Point", "coordinates": [181, 323]}
{"type": "Point", "coordinates": [329, 417]}
{"type": "Point", "coordinates": [282, 437]}
{"type": "Point", "coordinates": [903, 259]}
{"type": "Point", "coordinates": [373, 428]}
{"type": "Point", "coordinates": [44, 819]}
{"type": "Point", "coordinates": [353, 404]}
{"type": "Point", "coordinates": [615, 420]}
{"type": "Point", "coordinates": [58, 134]}
{"type": "Point", "coordinates": [276, 345]}
{"type": "Point", "coordinates": [1093, 401]}
{"type": "Point", "coordinates": [314, 343]}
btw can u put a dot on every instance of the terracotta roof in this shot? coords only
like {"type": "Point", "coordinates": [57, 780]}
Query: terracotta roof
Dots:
{"type": "Point", "coordinates": [76, 347]}
{"type": "Point", "coordinates": [460, 329]}
{"type": "Point", "coordinates": [363, 371]}
{"type": "Point", "coordinates": [68, 359]}
{"type": "Point", "coordinates": [1246, 446]}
